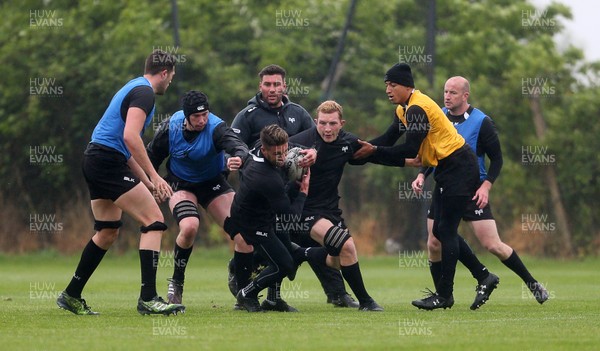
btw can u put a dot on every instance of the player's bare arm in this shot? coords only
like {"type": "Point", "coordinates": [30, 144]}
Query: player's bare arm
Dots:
{"type": "Point", "coordinates": [131, 135]}
{"type": "Point", "coordinates": [139, 172]}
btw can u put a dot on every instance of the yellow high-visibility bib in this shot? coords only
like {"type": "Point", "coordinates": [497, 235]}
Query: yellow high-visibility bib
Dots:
{"type": "Point", "coordinates": [442, 139]}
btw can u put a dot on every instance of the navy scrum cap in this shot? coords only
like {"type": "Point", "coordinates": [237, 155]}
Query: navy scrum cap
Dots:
{"type": "Point", "coordinates": [400, 73]}
{"type": "Point", "coordinates": [194, 102]}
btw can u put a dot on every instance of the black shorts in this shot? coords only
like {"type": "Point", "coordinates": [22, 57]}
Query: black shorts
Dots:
{"type": "Point", "coordinates": [205, 191]}
{"type": "Point", "coordinates": [251, 234]}
{"type": "Point", "coordinates": [302, 235]}
{"type": "Point", "coordinates": [106, 172]}
{"type": "Point", "coordinates": [472, 212]}
{"type": "Point", "coordinates": [458, 174]}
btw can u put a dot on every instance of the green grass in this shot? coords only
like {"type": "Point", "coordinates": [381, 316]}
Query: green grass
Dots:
{"type": "Point", "coordinates": [512, 320]}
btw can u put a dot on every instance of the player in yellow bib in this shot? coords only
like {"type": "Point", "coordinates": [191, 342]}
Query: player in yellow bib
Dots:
{"type": "Point", "coordinates": [433, 139]}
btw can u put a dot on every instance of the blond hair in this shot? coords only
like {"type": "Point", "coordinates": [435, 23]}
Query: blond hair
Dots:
{"type": "Point", "coordinates": [330, 106]}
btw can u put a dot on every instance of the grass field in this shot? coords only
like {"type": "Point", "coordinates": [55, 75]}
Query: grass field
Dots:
{"type": "Point", "coordinates": [512, 319]}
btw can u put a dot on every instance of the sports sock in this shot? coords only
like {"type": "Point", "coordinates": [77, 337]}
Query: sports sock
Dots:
{"type": "Point", "coordinates": [435, 268]}
{"type": "Point", "coordinates": [467, 257]}
{"type": "Point", "coordinates": [330, 278]}
{"type": "Point", "coordinates": [354, 278]}
{"type": "Point", "coordinates": [243, 267]}
{"type": "Point", "coordinates": [316, 254]}
{"type": "Point", "coordinates": [250, 291]}
{"type": "Point", "coordinates": [181, 260]}
{"type": "Point", "coordinates": [298, 254]}
{"type": "Point", "coordinates": [90, 259]}
{"type": "Point", "coordinates": [149, 266]}
{"type": "Point", "coordinates": [516, 265]}
{"type": "Point", "coordinates": [274, 292]}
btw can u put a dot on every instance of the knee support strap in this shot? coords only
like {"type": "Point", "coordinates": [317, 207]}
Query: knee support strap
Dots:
{"type": "Point", "coordinates": [99, 225]}
{"type": "Point", "coordinates": [184, 209]}
{"type": "Point", "coordinates": [154, 226]}
{"type": "Point", "coordinates": [334, 240]}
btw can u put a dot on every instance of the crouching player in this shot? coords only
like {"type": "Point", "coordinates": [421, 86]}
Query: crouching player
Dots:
{"type": "Point", "coordinates": [260, 197]}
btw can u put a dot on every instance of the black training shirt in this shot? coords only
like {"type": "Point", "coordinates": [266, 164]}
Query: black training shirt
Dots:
{"type": "Point", "coordinates": [262, 195]}
{"type": "Point", "coordinates": [326, 173]}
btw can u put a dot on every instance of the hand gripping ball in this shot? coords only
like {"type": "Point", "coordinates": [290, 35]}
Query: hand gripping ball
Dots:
{"type": "Point", "coordinates": [291, 164]}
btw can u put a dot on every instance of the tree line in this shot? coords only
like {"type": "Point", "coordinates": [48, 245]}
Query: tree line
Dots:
{"type": "Point", "coordinates": [63, 60]}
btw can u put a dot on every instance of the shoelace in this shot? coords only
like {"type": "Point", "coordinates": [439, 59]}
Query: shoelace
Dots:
{"type": "Point", "coordinates": [159, 304]}
{"type": "Point", "coordinates": [428, 293]}
{"type": "Point", "coordinates": [85, 306]}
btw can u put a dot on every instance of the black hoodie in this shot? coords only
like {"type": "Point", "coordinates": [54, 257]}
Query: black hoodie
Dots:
{"type": "Point", "coordinates": [248, 123]}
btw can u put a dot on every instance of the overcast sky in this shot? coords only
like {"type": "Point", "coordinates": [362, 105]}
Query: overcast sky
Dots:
{"type": "Point", "coordinates": [582, 30]}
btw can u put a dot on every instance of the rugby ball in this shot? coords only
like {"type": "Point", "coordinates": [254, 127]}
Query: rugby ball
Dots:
{"type": "Point", "coordinates": [291, 164]}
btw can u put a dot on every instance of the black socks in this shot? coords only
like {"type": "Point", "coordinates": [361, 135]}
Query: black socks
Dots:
{"type": "Point", "coordinates": [181, 260]}
{"type": "Point", "coordinates": [90, 259]}
{"type": "Point", "coordinates": [516, 265]}
{"type": "Point", "coordinates": [149, 266]}
{"type": "Point", "coordinates": [355, 281]}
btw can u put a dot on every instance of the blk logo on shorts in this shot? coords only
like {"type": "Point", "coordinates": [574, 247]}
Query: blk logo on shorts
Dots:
{"type": "Point", "coordinates": [128, 179]}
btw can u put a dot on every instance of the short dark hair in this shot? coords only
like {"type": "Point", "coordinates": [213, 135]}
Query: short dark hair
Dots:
{"type": "Point", "coordinates": [271, 70]}
{"type": "Point", "coordinates": [273, 135]}
{"type": "Point", "coordinates": [159, 61]}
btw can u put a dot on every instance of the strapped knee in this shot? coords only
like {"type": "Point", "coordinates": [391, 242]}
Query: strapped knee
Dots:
{"type": "Point", "coordinates": [184, 209]}
{"type": "Point", "coordinates": [99, 225]}
{"type": "Point", "coordinates": [334, 240]}
{"type": "Point", "coordinates": [160, 226]}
